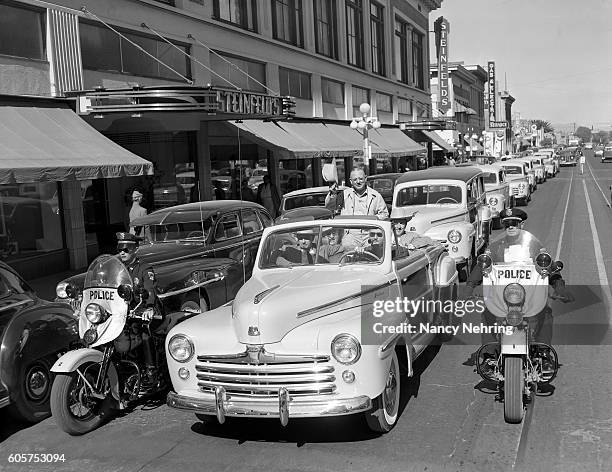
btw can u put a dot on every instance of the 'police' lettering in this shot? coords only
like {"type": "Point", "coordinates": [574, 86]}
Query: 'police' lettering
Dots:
{"type": "Point", "coordinates": [102, 295]}
{"type": "Point", "coordinates": [514, 274]}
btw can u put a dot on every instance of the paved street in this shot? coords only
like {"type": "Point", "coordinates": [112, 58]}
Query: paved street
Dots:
{"type": "Point", "coordinates": [449, 420]}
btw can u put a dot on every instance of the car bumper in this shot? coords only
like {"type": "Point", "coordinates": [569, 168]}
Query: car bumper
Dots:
{"type": "Point", "coordinates": [284, 407]}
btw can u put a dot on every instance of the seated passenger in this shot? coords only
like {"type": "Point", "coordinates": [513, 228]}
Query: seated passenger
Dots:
{"type": "Point", "coordinates": [333, 250]}
{"type": "Point", "coordinates": [410, 239]}
{"type": "Point", "coordinates": [375, 243]}
{"type": "Point", "coordinates": [301, 254]}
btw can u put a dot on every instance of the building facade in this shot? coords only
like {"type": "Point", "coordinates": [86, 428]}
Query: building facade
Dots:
{"type": "Point", "coordinates": [330, 55]}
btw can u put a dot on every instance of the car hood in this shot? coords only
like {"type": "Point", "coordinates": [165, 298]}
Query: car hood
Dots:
{"type": "Point", "coordinates": [515, 177]}
{"type": "Point", "coordinates": [429, 215]}
{"type": "Point", "coordinates": [272, 304]}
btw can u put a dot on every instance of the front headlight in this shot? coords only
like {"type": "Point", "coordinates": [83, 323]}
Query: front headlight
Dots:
{"type": "Point", "coordinates": [180, 348]}
{"type": "Point", "coordinates": [95, 313]}
{"type": "Point", "coordinates": [454, 236]}
{"type": "Point", "coordinates": [514, 294]}
{"type": "Point", "coordinates": [493, 201]}
{"type": "Point", "coordinates": [60, 290]}
{"type": "Point", "coordinates": [346, 349]}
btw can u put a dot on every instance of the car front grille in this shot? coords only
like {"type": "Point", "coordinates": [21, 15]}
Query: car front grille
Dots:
{"type": "Point", "coordinates": [241, 375]}
{"type": "Point", "coordinates": [515, 191]}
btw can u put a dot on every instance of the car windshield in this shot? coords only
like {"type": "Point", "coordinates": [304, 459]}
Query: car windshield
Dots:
{"type": "Point", "coordinates": [381, 185]}
{"type": "Point", "coordinates": [514, 170]}
{"type": "Point", "coordinates": [429, 195]}
{"type": "Point", "coordinates": [299, 201]}
{"type": "Point", "coordinates": [190, 231]}
{"type": "Point", "coordinates": [490, 177]}
{"type": "Point", "coordinates": [323, 245]}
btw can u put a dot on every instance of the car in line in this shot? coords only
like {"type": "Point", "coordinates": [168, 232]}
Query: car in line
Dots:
{"type": "Point", "coordinates": [307, 203]}
{"type": "Point", "coordinates": [305, 338]}
{"type": "Point", "coordinates": [448, 205]}
{"type": "Point", "coordinates": [539, 168]}
{"type": "Point", "coordinates": [607, 153]}
{"type": "Point", "coordinates": [531, 174]}
{"type": "Point", "coordinates": [518, 181]}
{"type": "Point", "coordinates": [201, 253]}
{"type": "Point", "coordinates": [385, 184]}
{"type": "Point", "coordinates": [497, 190]}
{"type": "Point", "coordinates": [33, 334]}
{"type": "Point", "coordinates": [567, 157]}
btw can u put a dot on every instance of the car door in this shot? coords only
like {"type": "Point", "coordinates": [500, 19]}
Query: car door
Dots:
{"type": "Point", "coordinates": [473, 198]}
{"type": "Point", "coordinates": [228, 240]}
{"type": "Point", "coordinates": [416, 286]}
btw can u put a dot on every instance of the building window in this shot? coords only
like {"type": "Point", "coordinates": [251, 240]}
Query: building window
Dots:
{"type": "Point", "coordinates": [326, 25]}
{"type": "Point", "coordinates": [417, 60]}
{"type": "Point", "coordinates": [384, 102]}
{"type": "Point", "coordinates": [404, 106]}
{"type": "Point", "coordinates": [102, 49]}
{"type": "Point", "coordinates": [401, 50]}
{"type": "Point", "coordinates": [242, 13]}
{"type": "Point", "coordinates": [354, 32]}
{"type": "Point", "coordinates": [332, 91]}
{"type": "Point", "coordinates": [287, 24]}
{"type": "Point", "coordinates": [360, 95]}
{"type": "Point", "coordinates": [256, 73]}
{"type": "Point", "coordinates": [377, 31]}
{"type": "Point", "coordinates": [294, 83]}
{"type": "Point", "coordinates": [22, 32]}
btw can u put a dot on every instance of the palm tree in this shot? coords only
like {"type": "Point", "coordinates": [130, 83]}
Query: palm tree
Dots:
{"type": "Point", "coordinates": [541, 124]}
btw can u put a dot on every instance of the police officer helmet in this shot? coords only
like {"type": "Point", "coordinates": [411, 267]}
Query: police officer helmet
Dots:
{"type": "Point", "coordinates": [127, 241]}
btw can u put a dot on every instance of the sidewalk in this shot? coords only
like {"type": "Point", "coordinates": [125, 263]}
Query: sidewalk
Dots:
{"type": "Point", "coordinates": [45, 286]}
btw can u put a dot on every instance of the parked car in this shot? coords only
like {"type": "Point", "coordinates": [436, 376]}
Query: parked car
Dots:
{"type": "Point", "coordinates": [539, 168]}
{"type": "Point", "coordinates": [607, 154]}
{"type": "Point", "coordinates": [33, 333]}
{"type": "Point", "coordinates": [385, 184]}
{"type": "Point", "coordinates": [599, 151]}
{"type": "Point", "coordinates": [305, 203]}
{"type": "Point", "coordinates": [294, 342]}
{"type": "Point", "coordinates": [497, 191]}
{"type": "Point", "coordinates": [201, 252]}
{"type": "Point", "coordinates": [518, 181]}
{"type": "Point", "coordinates": [448, 205]}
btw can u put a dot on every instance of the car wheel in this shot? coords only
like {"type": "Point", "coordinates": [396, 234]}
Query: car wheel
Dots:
{"type": "Point", "coordinates": [385, 407]}
{"type": "Point", "coordinates": [31, 401]}
{"type": "Point", "coordinates": [193, 304]}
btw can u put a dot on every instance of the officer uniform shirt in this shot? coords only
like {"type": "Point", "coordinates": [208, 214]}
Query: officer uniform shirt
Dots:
{"type": "Point", "coordinates": [143, 274]}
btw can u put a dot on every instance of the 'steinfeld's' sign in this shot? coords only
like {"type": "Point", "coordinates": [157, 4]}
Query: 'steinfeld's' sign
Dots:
{"type": "Point", "coordinates": [441, 28]}
{"type": "Point", "coordinates": [245, 103]}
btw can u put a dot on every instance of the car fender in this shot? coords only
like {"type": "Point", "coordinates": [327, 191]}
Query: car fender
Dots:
{"type": "Point", "coordinates": [72, 360]}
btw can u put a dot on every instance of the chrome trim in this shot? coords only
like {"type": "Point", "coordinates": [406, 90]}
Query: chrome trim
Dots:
{"type": "Point", "coordinates": [5, 401]}
{"type": "Point", "coordinates": [188, 289]}
{"type": "Point", "coordinates": [220, 399]}
{"type": "Point", "coordinates": [449, 217]}
{"type": "Point", "coordinates": [389, 343]}
{"type": "Point", "coordinates": [271, 359]}
{"type": "Point", "coordinates": [240, 405]}
{"type": "Point", "coordinates": [13, 305]}
{"type": "Point", "coordinates": [283, 406]}
{"type": "Point", "coordinates": [340, 301]}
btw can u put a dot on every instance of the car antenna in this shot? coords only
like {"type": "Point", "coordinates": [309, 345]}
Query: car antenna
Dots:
{"type": "Point", "coordinates": [240, 221]}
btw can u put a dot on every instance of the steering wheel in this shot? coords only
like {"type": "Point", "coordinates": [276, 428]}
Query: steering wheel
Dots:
{"type": "Point", "coordinates": [370, 256]}
{"type": "Point", "coordinates": [447, 198]}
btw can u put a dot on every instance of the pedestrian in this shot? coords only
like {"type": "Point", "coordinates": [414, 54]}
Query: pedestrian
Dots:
{"type": "Point", "coordinates": [451, 161]}
{"type": "Point", "coordinates": [582, 159]}
{"type": "Point", "coordinates": [137, 211]}
{"type": "Point", "coordinates": [267, 195]}
{"type": "Point", "coordinates": [246, 194]}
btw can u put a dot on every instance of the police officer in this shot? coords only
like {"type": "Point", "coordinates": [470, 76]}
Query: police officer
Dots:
{"type": "Point", "coordinates": [520, 246]}
{"type": "Point", "coordinates": [142, 276]}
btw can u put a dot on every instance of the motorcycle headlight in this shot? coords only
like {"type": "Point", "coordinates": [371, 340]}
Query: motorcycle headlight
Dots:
{"type": "Point", "coordinates": [493, 201]}
{"type": "Point", "coordinates": [514, 294]}
{"type": "Point", "coordinates": [454, 236]}
{"type": "Point", "coordinates": [180, 348]}
{"type": "Point", "coordinates": [65, 290]}
{"type": "Point", "coordinates": [95, 313]}
{"type": "Point", "coordinates": [484, 261]}
{"type": "Point", "coordinates": [346, 349]}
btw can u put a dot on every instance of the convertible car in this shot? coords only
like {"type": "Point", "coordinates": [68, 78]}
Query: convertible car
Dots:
{"type": "Point", "coordinates": [33, 333]}
{"type": "Point", "coordinates": [201, 252]}
{"type": "Point", "coordinates": [305, 336]}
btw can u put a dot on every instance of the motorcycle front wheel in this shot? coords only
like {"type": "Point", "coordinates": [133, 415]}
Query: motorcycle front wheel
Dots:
{"type": "Point", "coordinates": [72, 405]}
{"type": "Point", "coordinates": [514, 386]}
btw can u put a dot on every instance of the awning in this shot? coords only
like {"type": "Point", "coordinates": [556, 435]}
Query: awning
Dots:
{"type": "Point", "coordinates": [385, 142]}
{"type": "Point", "coordinates": [328, 139]}
{"type": "Point", "coordinates": [475, 144]}
{"type": "Point", "coordinates": [438, 140]}
{"type": "Point", "coordinates": [53, 144]}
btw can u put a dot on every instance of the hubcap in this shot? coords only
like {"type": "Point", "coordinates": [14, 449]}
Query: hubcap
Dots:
{"type": "Point", "coordinates": [390, 391]}
{"type": "Point", "coordinates": [37, 383]}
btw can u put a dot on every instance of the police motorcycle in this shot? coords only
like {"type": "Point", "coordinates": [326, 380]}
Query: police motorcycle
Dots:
{"type": "Point", "coordinates": [515, 293]}
{"type": "Point", "coordinates": [109, 373]}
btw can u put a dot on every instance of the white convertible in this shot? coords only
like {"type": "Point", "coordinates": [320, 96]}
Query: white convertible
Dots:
{"type": "Point", "coordinates": [303, 338]}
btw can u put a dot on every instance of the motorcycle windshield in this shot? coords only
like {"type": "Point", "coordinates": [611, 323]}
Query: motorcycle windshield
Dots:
{"type": "Point", "coordinates": [107, 272]}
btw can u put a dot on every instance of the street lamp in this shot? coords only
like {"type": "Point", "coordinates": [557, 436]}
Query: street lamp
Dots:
{"type": "Point", "coordinates": [365, 122]}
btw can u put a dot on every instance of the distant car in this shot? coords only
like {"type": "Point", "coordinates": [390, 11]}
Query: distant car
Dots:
{"type": "Point", "coordinates": [599, 151]}
{"type": "Point", "coordinates": [33, 333]}
{"type": "Point", "coordinates": [531, 173]}
{"type": "Point", "coordinates": [201, 252]}
{"type": "Point", "coordinates": [385, 184]}
{"type": "Point", "coordinates": [518, 181]}
{"type": "Point", "coordinates": [567, 157]}
{"type": "Point", "coordinates": [607, 154]}
{"type": "Point", "coordinates": [588, 146]}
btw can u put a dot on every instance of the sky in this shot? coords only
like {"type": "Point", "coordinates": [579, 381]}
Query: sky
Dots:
{"type": "Point", "coordinates": [556, 54]}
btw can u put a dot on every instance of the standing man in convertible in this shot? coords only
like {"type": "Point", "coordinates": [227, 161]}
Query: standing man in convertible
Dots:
{"type": "Point", "coordinates": [520, 246]}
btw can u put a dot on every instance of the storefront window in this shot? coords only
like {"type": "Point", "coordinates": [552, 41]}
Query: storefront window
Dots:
{"type": "Point", "coordinates": [236, 172]}
{"type": "Point", "coordinates": [30, 221]}
{"type": "Point", "coordinates": [295, 174]}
